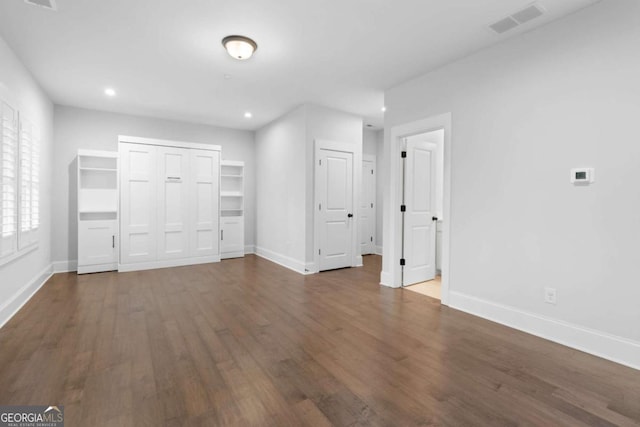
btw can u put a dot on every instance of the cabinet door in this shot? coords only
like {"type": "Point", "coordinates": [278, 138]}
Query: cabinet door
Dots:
{"type": "Point", "coordinates": [97, 242]}
{"type": "Point", "coordinates": [232, 236]}
{"type": "Point", "coordinates": [173, 202]}
{"type": "Point", "coordinates": [138, 203]}
{"type": "Point", "coordinates": [204, 202]}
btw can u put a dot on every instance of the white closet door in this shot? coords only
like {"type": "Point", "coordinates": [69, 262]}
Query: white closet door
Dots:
{"type": "Point", "coordinates": [335, 211]}
{"type": "Point", "coordinates": [204, 202]}
{"type": "Point", "coordinates": [138, 203]}
{"type": "Point", "coordinates": [173, 202]}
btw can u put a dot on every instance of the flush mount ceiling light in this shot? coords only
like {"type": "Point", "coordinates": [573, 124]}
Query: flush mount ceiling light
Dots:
{"type": "Point", "coordinates": [239, 47]}
{"type": "Point", "coordinates": [248, 115]}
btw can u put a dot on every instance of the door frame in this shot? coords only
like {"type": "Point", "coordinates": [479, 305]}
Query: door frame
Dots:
{"type": "Point", "coordinates": [345, 147]}
{"type": "Point", "coordinates": [392, 246]}
{"type": "Point", "coordinates": [373, 158]}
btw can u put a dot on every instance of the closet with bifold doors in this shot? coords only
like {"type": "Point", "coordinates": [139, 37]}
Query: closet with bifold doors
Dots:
{"type": "Point", "coordinates": [169, 203]}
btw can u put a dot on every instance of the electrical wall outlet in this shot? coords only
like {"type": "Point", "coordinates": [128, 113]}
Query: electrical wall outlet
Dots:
{"type": "Point", "coordinates": [550, 296]}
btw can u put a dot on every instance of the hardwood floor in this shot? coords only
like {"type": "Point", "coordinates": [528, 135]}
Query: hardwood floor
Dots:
{"type": "Point", "coordinates": [246, 342]}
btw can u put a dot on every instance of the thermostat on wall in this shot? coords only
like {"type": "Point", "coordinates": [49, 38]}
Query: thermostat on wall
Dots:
{"type": "Point", "coordinates": [582, 175]}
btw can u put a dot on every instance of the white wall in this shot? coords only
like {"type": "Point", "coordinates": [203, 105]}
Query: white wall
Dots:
{"type": "Point", "coordinates": [285, 180]}
{"type": "Point", "coordinates": [524, 113]}
{"type": "Point", "coordinates": [330, 125]}
{"type": "Point", "coordinates": [21, 277]}
{"type": "Point", "coordinates": [77, 128]}
{"type": "Point", "coordinates": [280, 203]}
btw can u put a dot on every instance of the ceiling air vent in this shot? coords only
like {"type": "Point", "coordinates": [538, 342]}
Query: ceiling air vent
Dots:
{"type": "Point", "coordinates": [46, 4]}
{"type": "Point", "coordinates": [527, 14]}
{"type": "Point", "coordinates": [512, 21]}
{"type": "Point", "coordinates": [504, 25]}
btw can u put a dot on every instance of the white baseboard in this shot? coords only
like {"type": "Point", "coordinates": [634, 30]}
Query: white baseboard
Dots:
{"type": "Point", "coordinates": [65, 266]}
{"type": "Point", "coordinates": [249, 249]}
{"type": "Point", "coordinates": [24, 294]}
{"type": "Point", "coordinates": [283, 260]}
{"type": "Point", "coordinates": [611, 347]}
{"type": "Point", "coordinates": [379, 250]}
{"type": "Point", "coordinates": [150, 265]}
{"type": "Point", "coordinates": [386, 279]}
{"type": "Point", "coordinates": [310, 268]}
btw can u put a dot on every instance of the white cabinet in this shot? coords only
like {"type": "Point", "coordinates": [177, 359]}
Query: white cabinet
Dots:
{"type": "Point", "coordinates": [231, 209]}
{"type": "Point", "coordinates": [173, 202]}
{"type": "Point", "coordinates": [97, 211]}
{"type": "Point", "coordinates": [98, 251]}
{"type": "Point", "coordinates": [138, 203]}
{"type": "Point", "coordinates": [170, 203]}
{"type": "Point", "coordinates": [232, 237]}
{"type": "Point", "coordinates": [204, 202]}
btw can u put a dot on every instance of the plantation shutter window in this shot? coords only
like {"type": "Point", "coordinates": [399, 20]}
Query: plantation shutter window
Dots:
{"type": "Point", "coordinates": [19, 184]}
{"type": "Point", "coordinates": [8, 180]}
{"type": "Point", "coordinates": [29, 194]}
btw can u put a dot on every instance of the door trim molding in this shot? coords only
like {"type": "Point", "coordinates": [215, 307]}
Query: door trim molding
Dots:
{"type": "Point", "coordinates": [392, 227]}
{"type": "Point", "coordinates": [356, 170]}
{"type": "Point", "coordinates": [373, 158]}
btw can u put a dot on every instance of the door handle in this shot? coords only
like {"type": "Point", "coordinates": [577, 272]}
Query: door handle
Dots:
{"type": "Point", "coordinates": [221, 234]}
{"type": "Point", "coordinates": [113, 242]}
{"type": "Point", "coordinates": [435, 218]}
{"type": "Point", "coordinates": [350, 215]}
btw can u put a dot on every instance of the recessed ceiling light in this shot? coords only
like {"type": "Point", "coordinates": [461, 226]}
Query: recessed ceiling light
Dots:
{"type": "Point", "coordinates": [110, 92]}
{"type": "Point", "coordinates": [239, 47]}
{"type": "Point", "coordinates": [384, 109]}
{"type": "Point", "coordinates": [248, 115]}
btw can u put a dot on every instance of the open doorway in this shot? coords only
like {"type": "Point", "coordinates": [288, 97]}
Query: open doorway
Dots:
{"type": "Point", "coordinates": [394, 261]}
{"type": "Point", "coordinates": [423, 199]}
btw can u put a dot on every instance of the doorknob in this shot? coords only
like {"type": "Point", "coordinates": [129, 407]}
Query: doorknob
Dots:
{"type": "Point", "coordinates": [350, 215]}
{"type": "Point", "coordinates": [435, 218]}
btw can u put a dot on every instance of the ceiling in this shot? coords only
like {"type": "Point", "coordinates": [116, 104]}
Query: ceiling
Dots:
{"type": "Point", "coordinates": [165, 59]}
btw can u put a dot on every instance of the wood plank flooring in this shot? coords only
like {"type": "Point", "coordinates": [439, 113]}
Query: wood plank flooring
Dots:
{"type": "Point", "coordinates": [246, 342]}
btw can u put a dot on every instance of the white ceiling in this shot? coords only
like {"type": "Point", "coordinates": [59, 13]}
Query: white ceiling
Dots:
{"type": "Point", "coordinates": [165, 59]}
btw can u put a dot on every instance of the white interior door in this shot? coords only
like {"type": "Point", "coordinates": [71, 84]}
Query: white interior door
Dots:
{"type": "Point", "coordinates": [205, 187]}
{"type": "Point", "coordinates": [335, 209]}
{"type": "Point", "coordinates": [138, 203]}
{"type": "Point", "coordinates": [420, 202]}
{"type": "Point", "coordinates": [173, 202]}
{"type": "Point", "coordinates": [367, 218]}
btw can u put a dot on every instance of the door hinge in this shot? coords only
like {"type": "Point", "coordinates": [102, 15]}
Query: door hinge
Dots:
{"type": "Point", "coordinates": [403, 208]}
{"type": "Point", "coordinates": [402, 261]}
{"type": "Point", "coordinates": [403, 154]}
{"type": "Point", "coordinates": [319, 252]}
{"type": "Point", "coordinates": [371, 204]}
{"type": "Point", "coordinates": [320, 206]}
{"type": "Point", "coordinates": [371, 171]}
{"type": "Point", "coordinates": [320, 162]}
{"type": "Point", "coordinates": [372, 238]}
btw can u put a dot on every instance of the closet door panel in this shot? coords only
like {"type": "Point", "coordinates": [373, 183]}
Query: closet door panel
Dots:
{"type": "Point", "coordinates": [204, 202]}
{"type": "Point", "coordinates": [173, 203]}
{"type": "Point", "coordinates": [137, 203]}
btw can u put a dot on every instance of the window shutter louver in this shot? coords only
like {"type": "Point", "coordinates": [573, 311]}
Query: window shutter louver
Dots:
{"type": "Point", "coordinates": [8, 180]}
